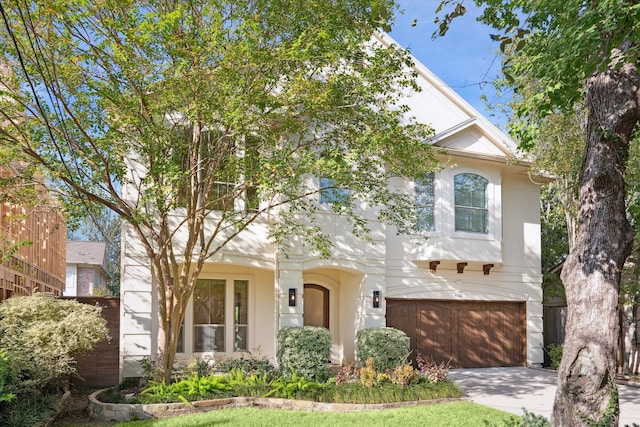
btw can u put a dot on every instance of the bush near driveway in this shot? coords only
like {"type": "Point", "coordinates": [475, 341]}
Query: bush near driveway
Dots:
{"type": "Point", "coordinates": [389, 347]}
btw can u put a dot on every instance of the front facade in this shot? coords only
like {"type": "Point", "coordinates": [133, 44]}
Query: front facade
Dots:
{"type": "Point", "coordinates": [466, 287]}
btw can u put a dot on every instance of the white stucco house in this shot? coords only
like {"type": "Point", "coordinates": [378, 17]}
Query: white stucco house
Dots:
{"type": "Point", "coordinates": [465, 288]}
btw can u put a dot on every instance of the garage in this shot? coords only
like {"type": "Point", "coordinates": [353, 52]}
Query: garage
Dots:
{"type": "Point", "coordinates": [468, 334]}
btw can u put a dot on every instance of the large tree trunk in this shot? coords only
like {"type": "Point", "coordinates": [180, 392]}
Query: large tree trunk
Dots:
{"type": "Point", "coordinates": [587, 387]}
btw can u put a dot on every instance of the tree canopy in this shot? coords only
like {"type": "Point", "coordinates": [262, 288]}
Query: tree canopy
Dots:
{"type": "Point", "coordinates": [215, 112]}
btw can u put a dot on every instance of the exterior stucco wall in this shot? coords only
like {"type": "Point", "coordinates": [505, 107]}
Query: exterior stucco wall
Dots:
{"type": "Point", "coordinates": [396, 266]}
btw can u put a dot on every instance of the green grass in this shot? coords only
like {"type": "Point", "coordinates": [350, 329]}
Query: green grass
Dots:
{"type": "Point", "coordinates": [453, 414]}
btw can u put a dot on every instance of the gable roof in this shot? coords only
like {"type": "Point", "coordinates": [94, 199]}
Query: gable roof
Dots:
{"type": "Point", "coordinates": [87, 253]}
{"type": "Point", "coordinates": [458, 126]}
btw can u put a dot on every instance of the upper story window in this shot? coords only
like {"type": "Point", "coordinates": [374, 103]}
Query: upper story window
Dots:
{"type": "Point", "coordinates": [425, 202]}
{"type": "Point", "coordinates": [330, 193]}
{"type": "Point", "coordinates": [226, 170]}
{"type": "Point", "coordinates": [471, 203]}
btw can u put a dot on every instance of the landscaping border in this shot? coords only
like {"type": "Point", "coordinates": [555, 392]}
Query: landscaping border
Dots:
{"type": "Point", "coordinates": [129, 411]}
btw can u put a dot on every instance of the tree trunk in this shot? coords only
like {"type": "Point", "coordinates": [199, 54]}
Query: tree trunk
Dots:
{"type": "Point", "coordinates": [587, 390]}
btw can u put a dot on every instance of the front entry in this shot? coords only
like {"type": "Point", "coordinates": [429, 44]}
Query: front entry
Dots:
{"type": "Point", "coordinates": [316, 306]}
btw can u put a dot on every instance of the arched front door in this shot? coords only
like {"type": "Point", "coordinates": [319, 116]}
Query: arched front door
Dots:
{"type": "Point", "coordinates": [316, 306]}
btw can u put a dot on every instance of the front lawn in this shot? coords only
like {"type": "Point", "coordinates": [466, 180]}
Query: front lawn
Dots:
{"type": "Point", "coordinates": [462, 414]}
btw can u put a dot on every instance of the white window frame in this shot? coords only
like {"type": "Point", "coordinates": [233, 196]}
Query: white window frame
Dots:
{"type": "Point", "coordinates": [446, 198]}
{"type": "Point", "coordinates": [470, 207]}
{"type": "Point", "coordinates": [434, 226]}
{"type": "Point", "coordinates": [229, 331]}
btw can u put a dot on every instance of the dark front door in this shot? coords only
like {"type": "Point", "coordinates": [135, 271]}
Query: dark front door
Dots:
{"type": "Point", "coordinates": [316, 305]}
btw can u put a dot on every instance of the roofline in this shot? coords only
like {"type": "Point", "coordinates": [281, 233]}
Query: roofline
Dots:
{"type": "Point", "coordinates": [488, 157]}
{"type": "Point", "coordinates": [476, 117]}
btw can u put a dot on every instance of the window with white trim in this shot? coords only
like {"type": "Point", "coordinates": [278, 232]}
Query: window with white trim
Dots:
{"type": "Point", "coordinates": [425, 202]}
{"type": "Point", "coordinates": [216, 326]}
{"type": "Point", "coordinates": [471, 205]}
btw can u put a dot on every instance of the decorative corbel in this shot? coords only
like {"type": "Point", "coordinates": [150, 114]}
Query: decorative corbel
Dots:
{"type": "Point", "coordinates": [433, 265]}
{"type": "Point", "coordinates": [486, 268]}
{"type": "Point", "coordinates": [461, 266]}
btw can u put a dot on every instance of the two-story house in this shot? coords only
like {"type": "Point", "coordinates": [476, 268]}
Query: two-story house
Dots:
{"type": "Point", "coordinates": [466, 286]}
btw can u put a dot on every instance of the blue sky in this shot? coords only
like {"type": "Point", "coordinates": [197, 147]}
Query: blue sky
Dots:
{"type": "Point", "coordinates": [465, 58]}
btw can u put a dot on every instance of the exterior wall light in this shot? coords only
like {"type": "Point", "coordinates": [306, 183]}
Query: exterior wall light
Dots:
{"type": "Point", "coordinates": [376, 299]}
{"type": "Point", "coordinates": [292, 297]}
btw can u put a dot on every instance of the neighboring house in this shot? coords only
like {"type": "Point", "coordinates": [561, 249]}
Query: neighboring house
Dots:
{"type": "Point", "coordinates": [38, 235]}
{"type": "Point", "coordinates": [466, 288]}
{"type": "Point", "coordinates": [86, 268]}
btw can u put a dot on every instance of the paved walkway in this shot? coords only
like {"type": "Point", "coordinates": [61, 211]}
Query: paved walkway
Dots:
{"type": "Point", "coordinates": [511, 389]}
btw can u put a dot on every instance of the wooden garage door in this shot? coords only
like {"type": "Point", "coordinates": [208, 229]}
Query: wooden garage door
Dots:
{"type": "Point", "coordinates": [469, 334]}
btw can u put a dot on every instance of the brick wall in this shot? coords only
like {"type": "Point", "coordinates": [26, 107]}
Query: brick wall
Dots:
{"type": "Point", "coordinates": [99, 368]}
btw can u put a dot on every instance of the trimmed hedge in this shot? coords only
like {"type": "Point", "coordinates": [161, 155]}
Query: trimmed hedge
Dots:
{"type": "Point", "coordinates": [304, 351]}
{"type": "Point", "coordinates": [388, 347]}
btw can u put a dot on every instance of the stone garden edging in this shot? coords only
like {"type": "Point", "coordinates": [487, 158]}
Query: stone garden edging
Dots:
{"type": "Point", "coordinates": [129, 411]}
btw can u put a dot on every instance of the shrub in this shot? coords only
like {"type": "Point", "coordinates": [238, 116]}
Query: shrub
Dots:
{"type": "Point", "coordinates": [7, 377]}
{"type": "Point", "coordinates": [41, 334]}
{"type": "Point", "coordinates": [304, 351]}
{"type": "Point", "coordinates": [555, 353]}
{"type": "Point", "coordinates": [191, 388]}
{"type": "Point", "coordinates": [389, 347]}
{"type": "Point", "coordinates": [30, 410]}
{"type": "Point", "coordinates": [253, 363]}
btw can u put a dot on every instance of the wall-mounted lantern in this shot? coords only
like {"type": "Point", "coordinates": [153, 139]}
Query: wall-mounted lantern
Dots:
{"type": "Point", "coordinates": [292, 297]}
{"type": "Point", "coordinates": [376, 299]}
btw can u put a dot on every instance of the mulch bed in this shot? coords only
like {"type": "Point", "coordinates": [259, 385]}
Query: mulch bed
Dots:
{"type": "Point", "coordinates": [75, 413]}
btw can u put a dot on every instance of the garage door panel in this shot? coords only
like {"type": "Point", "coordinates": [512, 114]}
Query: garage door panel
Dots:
{"type": "Point", "coordinates": [401, 315]}
{"type": "Point", "coordinates": [505, 340]}
{"type": "Point", "coordinates": [433, 341]}
{"type": "Point", "coordinates": [472, 336]}
{"type": "Point", "coordinates": [464, 333]}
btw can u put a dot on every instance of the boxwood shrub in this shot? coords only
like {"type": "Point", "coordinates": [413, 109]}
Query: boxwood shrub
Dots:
{"type": "Point", "coordinates": [304, 351]}
{"type": "Point", "coordinates": [387, 346]}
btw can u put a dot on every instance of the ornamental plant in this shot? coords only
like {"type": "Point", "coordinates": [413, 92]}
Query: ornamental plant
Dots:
{"type": "Point", "coordinates": [41, 334]}
{"type": "Point", "coordinates": [304, 351]}
{"type": "Point", "coordinates": [6, 377]}
{"type": "Point", "coordinates": [388, 347]}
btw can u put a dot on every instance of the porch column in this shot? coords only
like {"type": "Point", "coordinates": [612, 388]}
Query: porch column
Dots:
{"type": "Point", "coordinates": [373, 317]}
{"type": "Point", "coordinates": [290, 277]}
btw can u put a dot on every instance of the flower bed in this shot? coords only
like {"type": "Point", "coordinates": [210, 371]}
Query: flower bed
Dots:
{"type": "Point", "coordinates": [128, 411]}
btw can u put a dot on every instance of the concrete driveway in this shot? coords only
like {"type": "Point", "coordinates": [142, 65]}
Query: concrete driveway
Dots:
{"type": "Point", "coordinates": [511, 389]}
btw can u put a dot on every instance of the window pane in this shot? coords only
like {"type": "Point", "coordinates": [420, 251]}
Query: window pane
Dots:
{"type": "Point", "coordinates": [208, 315]}
{"type": "Point", "coordinates": [425, 202]}
{"type": "Point", "coordinates": [240, 341]}
{"type": "Point", "coordinates": [208, 338]}
{"type": "Point", "coordinates": [241, 298]}
{"type": "Point", "coordinates": [425, 220]}
{"type": "Point", "coordinates": [472, 220]}
{"type": "Point", "coordinates": [331, 195]}
{"type": "Point", "coordinates": [180, 344]}
{"type": "Point", "coordinates": [471, 203]}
